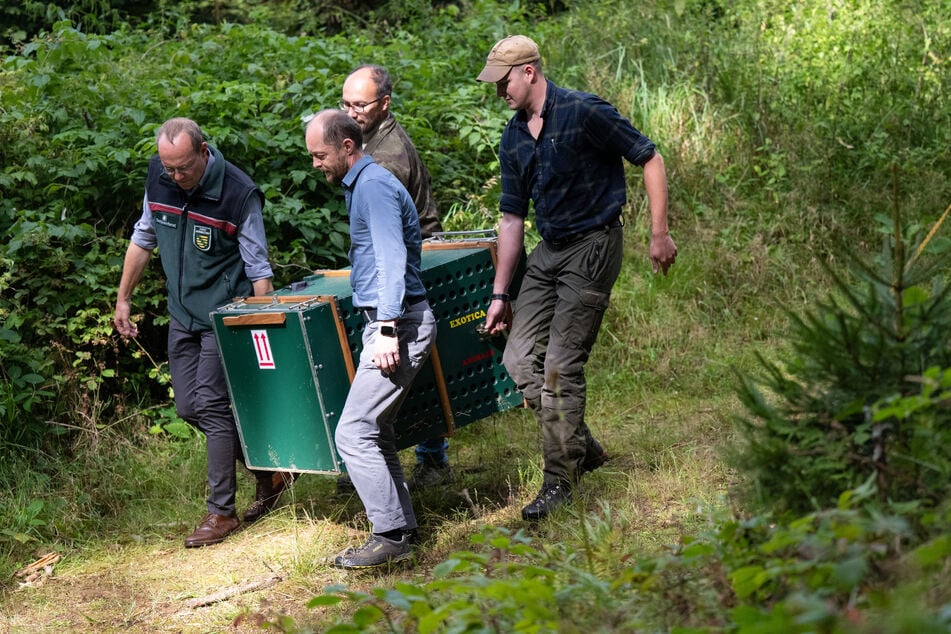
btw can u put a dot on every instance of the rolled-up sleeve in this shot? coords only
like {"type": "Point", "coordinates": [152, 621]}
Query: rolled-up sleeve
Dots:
{"type": "Point", "coordinates": [252, 242]}
{"type": "Point", "coordinates": [611, 130]}
{"type": "Point", "coordinates": [143, 234]}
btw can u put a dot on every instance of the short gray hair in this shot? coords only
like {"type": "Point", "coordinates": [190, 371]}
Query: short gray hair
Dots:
{"type": "Point", "coordinates": [173, 127]}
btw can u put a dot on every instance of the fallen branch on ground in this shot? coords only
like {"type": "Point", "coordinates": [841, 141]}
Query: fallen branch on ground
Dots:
{"type": "Point", "coordinates": [233, 591]}
{"type": "Point", "coordinates": [37, 572]}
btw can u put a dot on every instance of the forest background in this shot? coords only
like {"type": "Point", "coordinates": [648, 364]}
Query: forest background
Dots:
{"type": "Point", "coordinates": [776, 407]}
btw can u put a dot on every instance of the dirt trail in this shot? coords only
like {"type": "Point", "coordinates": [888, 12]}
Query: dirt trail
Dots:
{"type": "Point", "coordinates": [152, 587]}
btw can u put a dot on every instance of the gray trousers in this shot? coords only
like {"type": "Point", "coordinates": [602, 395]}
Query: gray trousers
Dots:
{"type": "Point", "coordinates": [364, 435]}
{"type": "Point", "coordinates": [556, 320]}
{"type": "Point", "coordinates": [201, 398]}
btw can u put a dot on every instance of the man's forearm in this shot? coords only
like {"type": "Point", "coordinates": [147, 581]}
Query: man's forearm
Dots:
{"type": "Point", "coordinates": [136, 259]}
{"type": "Point", "coordinates": [655, 182]}
{"type": "Point", "coordinates": [511, 237]}
{"type": "Point", "coordinates": [263, 286]}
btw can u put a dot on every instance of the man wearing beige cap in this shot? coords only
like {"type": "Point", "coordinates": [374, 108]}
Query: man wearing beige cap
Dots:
{"type": "Point", "coordinates": [563, 151]}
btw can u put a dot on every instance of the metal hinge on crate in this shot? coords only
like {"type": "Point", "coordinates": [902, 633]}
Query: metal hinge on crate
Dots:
{"type": "Point", "coordinates": [472, 235]}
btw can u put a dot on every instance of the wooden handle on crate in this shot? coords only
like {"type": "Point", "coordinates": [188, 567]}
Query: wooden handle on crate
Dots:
{"type": "Point", "coordinates": [333, 272]}
{"type": "Point", "coordinates": [254, 319]}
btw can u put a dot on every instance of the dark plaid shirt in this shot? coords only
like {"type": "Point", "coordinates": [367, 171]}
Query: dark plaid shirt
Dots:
{"type": "Point", "coordinates": [573, 172]}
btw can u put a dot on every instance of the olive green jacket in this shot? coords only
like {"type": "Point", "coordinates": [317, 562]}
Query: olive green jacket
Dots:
{"type": "Point", "coordinates": [391, 147]}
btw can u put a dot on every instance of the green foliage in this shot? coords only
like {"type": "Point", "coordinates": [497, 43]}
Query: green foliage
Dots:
{"type": "Point", "coordinates": [864, 80]}
{"type": "Point", "coordinates": [22, 21]}
{"type": "Point", "coordinates": [790, 115]}
{"type": "Point", "coordinates": [912, 430]}
{"type": "Point", "coordinates": [818, 572]}
{"type": "Point", "coordinates": [826, 422]}
{"type": "Point", "coordinates": [78, 112]}
{"type": "Point", "coordinates": [57, 502]}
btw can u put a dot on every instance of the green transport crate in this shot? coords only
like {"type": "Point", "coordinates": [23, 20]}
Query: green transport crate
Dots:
{"type": "Point", "coordinates": [289, 359]}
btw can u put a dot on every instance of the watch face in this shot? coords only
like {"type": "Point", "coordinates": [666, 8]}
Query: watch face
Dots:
{"type": "Point", "coordinates": [388, 331]}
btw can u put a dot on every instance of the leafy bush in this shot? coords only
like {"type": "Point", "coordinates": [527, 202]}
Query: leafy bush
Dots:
{"type": "Point", "coordinates": [78, 113]}
{"type": "Point", "coordinates": [817, 423]}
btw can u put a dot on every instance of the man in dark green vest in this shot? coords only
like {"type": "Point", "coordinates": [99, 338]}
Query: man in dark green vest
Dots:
{"type": "Point", "coordinates": [204, 216]}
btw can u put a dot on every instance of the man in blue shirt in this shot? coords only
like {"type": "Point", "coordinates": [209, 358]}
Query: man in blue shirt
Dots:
{"type": "Point", "coordinates": [385, 254]}
{"type": "Point", "coordinates": [563, 151]}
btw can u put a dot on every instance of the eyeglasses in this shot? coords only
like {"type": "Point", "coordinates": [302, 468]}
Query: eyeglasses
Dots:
{"type": "Point", "coordinates": [359, 108]}
{"type": "Point", "coordinates": [182, 169]}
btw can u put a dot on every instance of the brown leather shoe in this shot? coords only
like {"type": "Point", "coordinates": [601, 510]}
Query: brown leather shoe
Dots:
{"type": "Point", "coordinates": [267, 493]}
{"type": "Point", "coordinates": [212, 530]}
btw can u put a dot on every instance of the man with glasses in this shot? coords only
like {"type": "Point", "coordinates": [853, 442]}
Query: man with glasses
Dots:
{"type": "Point", "coordinates": [563, 151]}
{"type": "Point", "coordinates": [204, 216]}
{"type": "Point", "coordinates": [366, 98]}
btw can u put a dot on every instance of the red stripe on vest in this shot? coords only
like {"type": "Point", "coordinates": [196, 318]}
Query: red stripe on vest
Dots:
{"type": "Point", "coordinates": [229, 228]}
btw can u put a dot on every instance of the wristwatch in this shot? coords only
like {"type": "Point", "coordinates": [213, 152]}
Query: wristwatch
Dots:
{"type": "Point", "coordinates": [388, 331]}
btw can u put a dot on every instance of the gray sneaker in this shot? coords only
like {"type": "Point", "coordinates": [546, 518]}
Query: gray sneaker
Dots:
{"type": "Point", "coordinates": [377, 551]}
{"type": "Point", "coordinates": [427, 475]}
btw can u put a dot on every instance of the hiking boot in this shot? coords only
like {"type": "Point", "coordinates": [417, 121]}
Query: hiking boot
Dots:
{"type": "Point", "coordinates": [427, 475]}
{"type": "Point", "coordinates": [377, 551]}
{"type": "Point", "coordinates": [212, 530]}
{"type": "Point", "coordinates": [551, 496]}
{"type": "Point", "coordinates": [267, 493]}
{"type": "Point", "coordinates": [594, 457]}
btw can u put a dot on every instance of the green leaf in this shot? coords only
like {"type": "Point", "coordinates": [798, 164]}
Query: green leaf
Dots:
{"type": "Point", "coordinates": [367, 615]}
{"type": "Point", "coordinates": [324, 600]}
{"type": "Point", "coordinates": [179, 429]}
{"type": "Point", "coordinates": [396, 599]}
{"type": "Point", "coordinates": [9, 335]}
{"type": "Point", "coordinates": [747, 580]}
{"type": "Point", "coordinates": [446, 568]}
{"type": "Point", "coordinates": [934, 553]}
{"type": "Point", "coordinates": [850, 573]}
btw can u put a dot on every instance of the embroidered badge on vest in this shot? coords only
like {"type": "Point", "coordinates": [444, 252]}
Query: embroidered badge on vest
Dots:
{"type": "Point", "coordinates": [202, 238]}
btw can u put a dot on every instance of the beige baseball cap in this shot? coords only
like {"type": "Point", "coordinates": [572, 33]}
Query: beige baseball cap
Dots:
{"type": "Point", "coordinates": [508, 52]}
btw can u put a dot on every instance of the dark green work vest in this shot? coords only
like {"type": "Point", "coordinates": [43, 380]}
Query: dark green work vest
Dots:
{"type": "Point", "coordinates": [197, 236]}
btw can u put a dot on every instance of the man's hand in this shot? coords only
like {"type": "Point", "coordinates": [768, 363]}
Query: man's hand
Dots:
{"type": "Point", "coordinates": [386, 353]}
{"type": "Point", "coordinates": [663, 252]}
{"type": "Point", "coordinates": [499, 317]}
{"type": "Point", "coordinates": [123, 321]}
{"type": "Point", "coordinates": [133, 266]}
